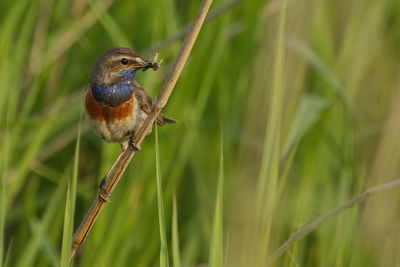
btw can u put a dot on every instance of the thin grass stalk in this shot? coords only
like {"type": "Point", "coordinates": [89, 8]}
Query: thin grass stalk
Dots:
{"type": "Point", "coordinates": [319, 221]}
{"type": "Point", "coordinates": [38, 227]}
{"type": "Point", "coordinates": [269, 173]}
{"type": "Point", "coordinates": [70, 207]}
{"type": "Point", "coordinates": [164, 261]}
{"type": "Point", "coordinates": [217, 239]}
{"type": "Point", "coordinates": [3, 206]}
{"type": "Point", "coordinates": [176, 257]}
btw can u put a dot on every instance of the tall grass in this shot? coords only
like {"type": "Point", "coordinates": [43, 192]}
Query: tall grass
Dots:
{"type": "Point", "coordinates": [216, 254]}
{"type": "Point", "coordinates": [164, 259]}
{"type": "Point", "coordinates": [309, 97]}
{"type": "Point", "coordinates": [70, 208]}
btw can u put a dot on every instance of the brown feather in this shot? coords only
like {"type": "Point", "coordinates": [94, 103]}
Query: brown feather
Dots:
{"type": "Point", "coordinates": [146, 104]}
{"type": "Point", "coordinates": [93, 108]}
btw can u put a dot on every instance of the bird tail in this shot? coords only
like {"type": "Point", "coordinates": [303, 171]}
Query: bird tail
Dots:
{"type": "Point", "coordinates": [163, 119]}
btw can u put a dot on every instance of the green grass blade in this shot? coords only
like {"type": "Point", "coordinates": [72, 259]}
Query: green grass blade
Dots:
{"type": "Point", "coordinates": [113, 30]}
{"type": "Point", "coordinates": [269, 172]}
{"type": "Point", "coordinates": [308, 113]}
{"type": "Point", "coordinates": [164, 261]}
{"type": "Point", "coordinates": [33, 150]}
{"type": "Point", "coordinates": [5, 151]}
{"type": "Point", "coordinates": [70, 208]}
{"type": "Point", "coordinates": [3, 198]}
{"type": "Point", "coordinates": [35, 244]}
{"type": "Point", "coordinates": [321, 67]}
{"type": "Point", "coordinates": [65, 249]}
{"type": "Point", "coordinates": [217, 239]}
{"type": "Point", "coordinates": [176, 257]}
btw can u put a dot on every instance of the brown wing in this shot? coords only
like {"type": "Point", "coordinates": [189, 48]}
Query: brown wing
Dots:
{"type": "Point", "coordinates": [145, 101]}
{"type": "Point", "coordinates": [146, 104]}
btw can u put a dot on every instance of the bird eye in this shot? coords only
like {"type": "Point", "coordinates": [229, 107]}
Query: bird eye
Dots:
{"type": "Point", "coordinates": [124, 61]}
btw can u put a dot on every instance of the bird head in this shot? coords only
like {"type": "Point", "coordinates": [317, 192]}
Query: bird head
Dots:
{"type": "Point", "coordinates": [119, 64]}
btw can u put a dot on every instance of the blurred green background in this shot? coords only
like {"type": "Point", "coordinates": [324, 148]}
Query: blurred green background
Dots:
{"type": "Point", "coordinates": [292, 110]}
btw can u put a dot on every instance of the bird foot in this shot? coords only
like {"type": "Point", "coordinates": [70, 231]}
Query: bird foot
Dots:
{"type": "Point", "coordinates": [103, 193]}
{"type": "Point", "coordinates": [133, 146]}
{"type": "Point", "coordinates": [131, 143]}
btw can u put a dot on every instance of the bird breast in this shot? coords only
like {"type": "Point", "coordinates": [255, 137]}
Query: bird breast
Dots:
{"type": "Point", "coordinates": [113, 123]}
{"type": "Point", "coordinates": [112, 95]}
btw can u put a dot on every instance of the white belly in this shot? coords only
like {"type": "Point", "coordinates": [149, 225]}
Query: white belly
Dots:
{"type": "Point", "coordinates": [118, 130]}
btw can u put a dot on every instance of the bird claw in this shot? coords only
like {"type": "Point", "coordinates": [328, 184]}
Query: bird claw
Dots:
{"type": "Point", "coordinates": [103, 191]}
{"type": "Point", "coordinates": [133, 146]}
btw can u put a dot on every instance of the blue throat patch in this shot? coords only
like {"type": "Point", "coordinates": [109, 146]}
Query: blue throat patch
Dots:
{"type": "Point", "coordinates": [128, 75]}
{"type": "Point", "coordinates": [114, 95]}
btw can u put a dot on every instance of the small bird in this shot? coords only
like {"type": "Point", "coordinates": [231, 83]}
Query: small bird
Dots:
{"type": "Point", "coordinates": [115, 104]}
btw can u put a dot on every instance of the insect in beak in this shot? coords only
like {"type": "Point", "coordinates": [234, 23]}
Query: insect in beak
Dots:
{"type": "Point", "coordinates": [155, 65]}
{"type": "Point", "coordinates": [151, 65]}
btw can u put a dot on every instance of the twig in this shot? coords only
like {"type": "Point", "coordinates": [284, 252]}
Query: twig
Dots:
{"type": "Point", "coordinates": [314, 224]}
{"type": "Point", "coordinates": [114, 174]}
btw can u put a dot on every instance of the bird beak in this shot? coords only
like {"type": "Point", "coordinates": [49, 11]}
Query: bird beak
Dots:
{"type": "Point", "coordinates": [144, 64]}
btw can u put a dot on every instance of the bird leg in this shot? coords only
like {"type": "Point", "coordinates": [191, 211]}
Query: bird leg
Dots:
{"type": "Point", "coordinates": [103, 191]}
{"type": "Point", "coordinates": [131, 143]}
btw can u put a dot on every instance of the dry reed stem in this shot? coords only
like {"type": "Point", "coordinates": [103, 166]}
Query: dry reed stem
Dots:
{"type": "Point", "coordinates": [115, 173]}
{"type": "Point", "coordinates": [316, 223]}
